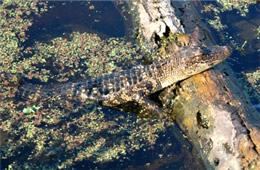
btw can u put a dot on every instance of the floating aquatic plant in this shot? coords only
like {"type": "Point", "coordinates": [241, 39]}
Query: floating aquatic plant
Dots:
{"type": "Point", "coordinates": [30, 110]}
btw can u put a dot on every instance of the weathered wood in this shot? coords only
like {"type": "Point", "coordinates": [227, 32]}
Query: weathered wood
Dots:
{"type": "Point", "coordinates": [209, 107]}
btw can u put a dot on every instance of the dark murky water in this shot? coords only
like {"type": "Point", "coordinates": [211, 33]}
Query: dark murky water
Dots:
{"type": "Point", "coordinates": [64, 17]}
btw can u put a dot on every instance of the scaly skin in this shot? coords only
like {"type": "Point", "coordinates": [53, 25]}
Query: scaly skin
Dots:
{"type": "Point", "coordinates": [137, 82]}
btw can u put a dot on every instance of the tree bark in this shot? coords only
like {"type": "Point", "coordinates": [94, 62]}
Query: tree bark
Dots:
{"type": "Point", "coordinates": [210, 106]}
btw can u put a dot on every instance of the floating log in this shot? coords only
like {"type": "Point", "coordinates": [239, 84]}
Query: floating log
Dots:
{"type": "Point", "coordinates": [210, 107]}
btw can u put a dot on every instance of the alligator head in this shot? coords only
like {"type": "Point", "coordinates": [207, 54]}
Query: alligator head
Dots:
{"type": "Point", "coordinates": [201, 59]}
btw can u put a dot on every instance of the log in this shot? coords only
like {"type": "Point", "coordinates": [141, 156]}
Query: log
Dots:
{"type": "Point", "coordinates": [209, 107]}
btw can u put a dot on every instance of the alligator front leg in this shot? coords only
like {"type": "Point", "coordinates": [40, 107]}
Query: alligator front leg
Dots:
{"type": "Point", "coordinates": [151, 106]}
{"type": "Point", "coordinates": [165, 96]}
{"type": "Point", "coordinates": [146, 103]}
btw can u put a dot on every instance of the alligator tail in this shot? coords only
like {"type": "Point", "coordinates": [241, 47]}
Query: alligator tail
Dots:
{"type": "Point", "coordinates": [25, 90]}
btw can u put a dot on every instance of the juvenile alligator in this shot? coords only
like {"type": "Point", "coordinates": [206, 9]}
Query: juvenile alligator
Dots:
{"type": "Point", "coordinates": [135, 83]}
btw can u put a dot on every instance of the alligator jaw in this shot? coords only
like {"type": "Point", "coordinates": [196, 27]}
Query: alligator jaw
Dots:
{"type": "Point", "coordinates": [220, 53]}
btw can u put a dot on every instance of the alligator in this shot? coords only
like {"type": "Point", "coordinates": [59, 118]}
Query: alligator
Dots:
{"type": "Point", "coordinates": [136, 83]}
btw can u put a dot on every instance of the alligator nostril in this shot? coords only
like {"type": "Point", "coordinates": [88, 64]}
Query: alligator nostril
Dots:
{"type": "Point", "coordinates": [226, 74]}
